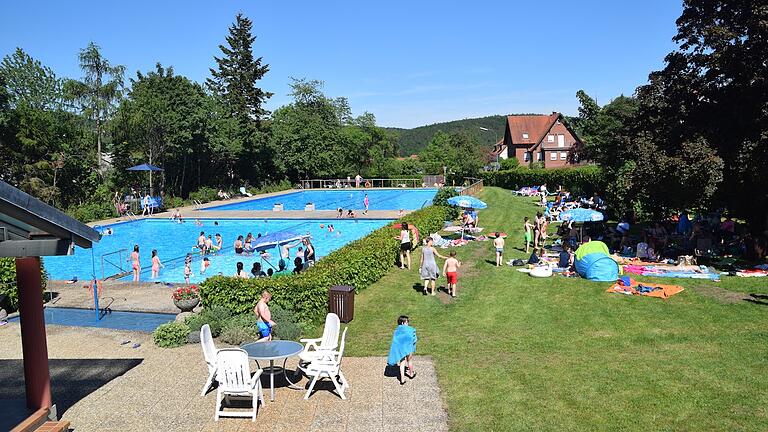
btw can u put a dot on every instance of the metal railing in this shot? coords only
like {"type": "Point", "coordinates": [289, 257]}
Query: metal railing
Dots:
{"type": "Point", "coordinates": [119, 264]}
{"type": "Point", "coordinates": [475, 186]}
{"type": "Point", "coordinates": [366, 183]}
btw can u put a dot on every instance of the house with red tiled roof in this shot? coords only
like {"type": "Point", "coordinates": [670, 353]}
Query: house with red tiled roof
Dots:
{"type": "Point", "coordinates": [538, 138]}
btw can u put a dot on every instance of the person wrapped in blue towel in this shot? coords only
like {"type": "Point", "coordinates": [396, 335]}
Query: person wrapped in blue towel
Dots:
{"type": "Point", "coordinates": [402, 348]}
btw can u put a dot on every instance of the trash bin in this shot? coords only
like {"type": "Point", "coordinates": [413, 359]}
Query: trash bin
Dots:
{"type": "Point", "coordinates": [341, 301]}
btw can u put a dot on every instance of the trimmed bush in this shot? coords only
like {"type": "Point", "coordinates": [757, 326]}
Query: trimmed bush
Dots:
{"type": "Point", "coordinates": [287, 327]}
{"type": "Point", "coordinates": [581, 180]}
{"type": "Point", "coordinates": [360, 263]}
{"type": "Point", "coordinates": [170, 335]}
{"type": "Point", "coordinates": [239, 335]}
{"type": "Point", "coordinates": [215, 316]}
{"type": "Point", "coordinates": [441, 199]}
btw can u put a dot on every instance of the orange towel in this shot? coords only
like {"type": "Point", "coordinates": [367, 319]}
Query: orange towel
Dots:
{"type": "Point", "coordinates": [665, 292]}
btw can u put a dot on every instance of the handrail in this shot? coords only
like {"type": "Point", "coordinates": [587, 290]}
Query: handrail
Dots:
{"type": "Point", "coordinates": [120, 261]}
{"type": "Point", "coordinates": [475, 186]}
{"type": "Point", "coordinates": [370, 183]}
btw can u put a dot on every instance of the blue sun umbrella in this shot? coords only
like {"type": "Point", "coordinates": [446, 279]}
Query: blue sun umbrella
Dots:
{"type": "Point", "coordinates": [581, 215]}
{"type": "Point", "coordinates": [467, 201]}
{"type": "Point", "coordinates": [277, 238]}
{"type": "Point", "coordinates": [145, 167]}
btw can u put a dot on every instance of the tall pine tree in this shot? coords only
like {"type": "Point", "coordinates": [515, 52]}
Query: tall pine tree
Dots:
{"type": "Point", "coordinates": [238, 74]}
{"type": "Point", "coordinates": [235, 84]}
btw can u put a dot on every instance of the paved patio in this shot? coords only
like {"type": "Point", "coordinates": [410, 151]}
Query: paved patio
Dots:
{"type": "Point", "coordinates": [158, 390]}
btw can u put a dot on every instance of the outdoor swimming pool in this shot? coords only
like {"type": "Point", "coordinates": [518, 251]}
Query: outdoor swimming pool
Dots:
{"type": "Point", "coordinates": [135, 321]}
{"type": "Point", "coordinates": [379, 199]}
{"type": "Point", "coordinates": [174, 240]}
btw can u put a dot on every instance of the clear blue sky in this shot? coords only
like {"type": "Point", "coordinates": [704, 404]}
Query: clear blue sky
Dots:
{"type": "Point", "coordinates": [410, 63]}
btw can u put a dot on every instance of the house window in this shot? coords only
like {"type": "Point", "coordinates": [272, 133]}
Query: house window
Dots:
{"type": "Point", "coordinates": [553, 155]}
{"type": "Point", "coordinates": [525, 135]}
{"type": "Point", "coordinates": [550, 138]}
{"type": "Point", "coordinates": [540, 156]}
{"type": "Point", "coordinates": [563, 155]}
{"type": "Point", "coordinates": [560, 140]}
{"type": "Point", "coordinates": [527, 156]}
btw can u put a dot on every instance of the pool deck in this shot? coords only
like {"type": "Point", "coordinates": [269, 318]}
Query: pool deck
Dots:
{"type": "Point", "coordinates": [117, 295]}
{"type": "Point", "coordinates": [103, 385]}
{"type": "Point", "coordinates": [192, 212]}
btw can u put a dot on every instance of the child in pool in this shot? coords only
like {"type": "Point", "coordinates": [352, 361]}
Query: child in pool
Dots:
{"type": "Point", "coordinates": [402, 348]}
{"type": "Point", "coordinates": [204, 264]}
{"type": "Point", "coordinates": [187, 267]}
{"type": "Point", "coordinates": [156, 264]}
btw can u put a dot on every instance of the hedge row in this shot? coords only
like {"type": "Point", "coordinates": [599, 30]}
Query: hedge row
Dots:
{"type": "Point", "coordinates": [582, 180]}
{"type": "Point", "coordinates": [359, 263]}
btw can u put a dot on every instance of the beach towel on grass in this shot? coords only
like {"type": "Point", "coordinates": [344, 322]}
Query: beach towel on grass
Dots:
{"type": "Point", "coordinates": [403, 343]}
{"type": "Point", "coordinates": [645, 289]}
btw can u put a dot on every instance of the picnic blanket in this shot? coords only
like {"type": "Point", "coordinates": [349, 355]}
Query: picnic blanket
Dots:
{"type": "Point", "coordinates": [752, 273]}
{"type": "Point", "coordinates": [645, 289]}
{"type": "Point", "coordinates": [685, 271]}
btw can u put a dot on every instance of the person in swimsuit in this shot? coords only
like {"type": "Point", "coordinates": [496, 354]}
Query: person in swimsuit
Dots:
{"type": "Point", "coordinates": [428, 269]}
{"type": "Point", "coordinates": [309, 253]}
{"type": "Point", "coordinates": [451, 270]}
{"type": "Point", "coordinates": [204, 264]}
{"type": "Point", "coordinates": [405, 246]}
{"type": "Point", "coordinates": [528, 227]}
{"type": "Point", "coordinates": [135, 265]}
{"type": "Point", "coordinates": [247, 245]}
{"type": "Point", "coordinates": [209, 245]}
{"type": "Point", "coordinates": [219, 242]}
{"type": "Point", "coordinates": [187, 267]}
{"type": "Point", "coordinates": [285, 253]}
{"type": "Point", "coordinates": [365, 203]}
{"type": "Point", "coordinates": [239, 245]}
{"type": "Point", "coordinates": [156, 264]}
{"type": "Point", "coordinates": [256, 270]}
{"type": "Point", "coordinates": [201, 242]}
{"type": "Point", "coordinates": [264, 321]}
{"type": "Point", "coordinates": [240, 273]}
{"type": "Point", "coordinates": [537, 229]}
{"type": "Point", "coordinates": [498, 243]}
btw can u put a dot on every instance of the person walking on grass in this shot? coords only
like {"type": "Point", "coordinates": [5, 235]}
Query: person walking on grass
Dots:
{"type": "Point", "coordinates": [405, 246]}
{"type": "Point", "coordinates": [402, 348]}
{"type": "Point", "coordinates": [498, 243]}
{"type": "Point", "coordinates": [428, 269]}
{"type": "Point", "coordinates": [156, 264]}
{"type": "Point", "coordinates": [451, 270]}
{"type": "Point", "coordinates": [528, 230]}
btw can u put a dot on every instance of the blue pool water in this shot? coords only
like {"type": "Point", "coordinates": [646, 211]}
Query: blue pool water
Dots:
{"type": "Point", "coordinates": [379, 199]}
{"type": "Point", "coordinates": [136, 321]}
{"type": "Point", "coordinates": [173, 241]}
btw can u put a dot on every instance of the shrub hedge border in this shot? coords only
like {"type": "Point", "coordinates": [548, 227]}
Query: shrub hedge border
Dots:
{"type": "Point", "coordinates": [359, 263]}
{"type": "Point", "coordinates": [586, 180]}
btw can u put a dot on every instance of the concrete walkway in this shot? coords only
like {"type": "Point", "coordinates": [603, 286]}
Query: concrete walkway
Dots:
{"type": "Point", "coordinates": [159, 390]}
{"type": "Point", "coordinates": [192, 212]}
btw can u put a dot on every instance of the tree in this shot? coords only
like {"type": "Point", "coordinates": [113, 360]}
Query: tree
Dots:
{"type": "Point", "coordinates": [238, 74]}
{"type": "Point", "coordinates": [30, 83]}
{"type": "Point", "coordinates": [164, 120]}
{"type": "Point", "coordinates": [713, 93]}
{"type": "Point", "coordinates": [458, 152]}
{"type": "Point", "coordinates": [236, 83]}
{"type": "Point", "coordinates": [99, 91]}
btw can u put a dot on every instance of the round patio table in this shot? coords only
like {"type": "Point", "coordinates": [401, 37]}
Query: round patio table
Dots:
{"type": "Point", "coordinates": [273, 350]}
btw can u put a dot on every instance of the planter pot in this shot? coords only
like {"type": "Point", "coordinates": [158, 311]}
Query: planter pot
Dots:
{"type": "Point", "coordinates": [309, 207]}
{"type": "Point", "coordinates": [277, 207]}
{"type": "Point", "coordinates": [187, 305]}
{"type": "Point", "coordinates": [194, 337]}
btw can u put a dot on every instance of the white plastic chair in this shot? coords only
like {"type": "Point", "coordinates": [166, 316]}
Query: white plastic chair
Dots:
{"type": "Point", "coordinates": [235, 380]}
{"type": "Point", "coordinates": [245, 192]}
{"type": "Point", "coordinates": [329, 367]}
{"type": "Point", "coordinates": [316, 349]}
{"type": "Point", "coordinates": [209, 353]}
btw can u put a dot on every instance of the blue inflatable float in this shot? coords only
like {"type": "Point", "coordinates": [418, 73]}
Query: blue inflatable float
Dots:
{"type": "Point", "coordinates": [593, 262]}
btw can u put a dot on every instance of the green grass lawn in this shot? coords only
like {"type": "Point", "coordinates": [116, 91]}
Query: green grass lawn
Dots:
{"type": "Point", "coordinates": [519, 353]}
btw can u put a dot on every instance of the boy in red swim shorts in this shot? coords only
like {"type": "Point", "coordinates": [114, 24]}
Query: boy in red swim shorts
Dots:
{"type": "Point", "coordinates": [451, 271]}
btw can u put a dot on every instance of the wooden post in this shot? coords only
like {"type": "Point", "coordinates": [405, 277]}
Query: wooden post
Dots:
{"type": "Point", "coordinates": [37, 377]}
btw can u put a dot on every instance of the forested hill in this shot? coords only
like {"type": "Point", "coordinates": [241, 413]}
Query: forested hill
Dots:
{"type": "Point", "coordinates": [412, 141]}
